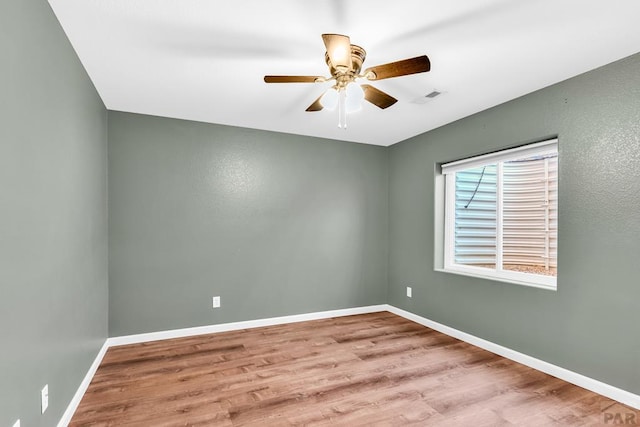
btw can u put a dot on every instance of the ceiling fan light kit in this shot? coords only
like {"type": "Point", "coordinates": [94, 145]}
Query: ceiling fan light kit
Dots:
{"type": "Point", "coordinates": [345, 64]}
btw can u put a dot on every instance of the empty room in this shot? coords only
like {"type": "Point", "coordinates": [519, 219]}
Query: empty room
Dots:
{"type": "Point", "coordinates": [349, 213]}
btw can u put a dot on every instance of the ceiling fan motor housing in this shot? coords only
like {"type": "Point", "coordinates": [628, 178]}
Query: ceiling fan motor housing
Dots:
{"type": "Point", "coordinates": [344, 77]}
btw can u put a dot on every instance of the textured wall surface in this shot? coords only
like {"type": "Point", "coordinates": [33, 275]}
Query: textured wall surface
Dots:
{"type": "Point", "coordinates": [53, 216]}
{"type": "Point", "coordinates": [275, 224]}
{"type": "Point", "coordinates": [590, 325]}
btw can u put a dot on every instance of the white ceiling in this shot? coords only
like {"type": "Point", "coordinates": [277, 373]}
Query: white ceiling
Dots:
{"type": "Point", "coordinates": [204, 60]}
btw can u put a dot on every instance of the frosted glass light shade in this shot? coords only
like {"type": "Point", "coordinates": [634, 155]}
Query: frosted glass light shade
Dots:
{"type": "Point", "coordinates": [330, 99]}
{"type": "Point", "coordinates": [355, 96]}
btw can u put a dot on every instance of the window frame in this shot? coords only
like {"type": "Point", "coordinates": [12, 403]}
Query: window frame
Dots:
{"type": "Point", "coordinates": [445, 216]}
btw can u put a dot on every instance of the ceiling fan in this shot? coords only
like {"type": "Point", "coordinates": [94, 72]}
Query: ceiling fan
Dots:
{"type": "Point", "coordinates": [345, 64]}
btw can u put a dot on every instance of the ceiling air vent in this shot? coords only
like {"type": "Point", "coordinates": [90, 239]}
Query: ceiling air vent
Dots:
{"type": "Point", "coordinates": [428, 97]}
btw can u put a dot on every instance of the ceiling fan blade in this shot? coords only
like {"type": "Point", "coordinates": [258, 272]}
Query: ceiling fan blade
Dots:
{"type": "Point", "coordinates": [317, 105]}
{"type": "Point", "coordinates": [292, 79]}
{"type": "Point", "coordinates": [338, 49]}
{"type": "Point", "coordinates": [377, 97]}
{"type": "Point", "coordinates": [419, 64]}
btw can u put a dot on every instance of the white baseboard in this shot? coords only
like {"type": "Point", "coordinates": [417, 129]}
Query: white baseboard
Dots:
{"type": "Point", "coordinates": [596, 386]}
{"type": "Point", "coordinates": [77, 397]}
{"type": "Point", "coordinates": [248, 324]}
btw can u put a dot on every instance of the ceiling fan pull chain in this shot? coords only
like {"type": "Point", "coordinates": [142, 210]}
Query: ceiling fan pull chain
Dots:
{"type": "Point", "coordinates": [342, 109]}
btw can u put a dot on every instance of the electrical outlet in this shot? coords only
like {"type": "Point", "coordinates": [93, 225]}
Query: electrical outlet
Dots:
{"type": "Point", "coordinates": [409, 292]}
{"type": "Point", "coordinates": [44, 398]}
{"type": "Point", "coordinates": [216, 302]}
{"type": "Point", "coordinates": [16, 424]}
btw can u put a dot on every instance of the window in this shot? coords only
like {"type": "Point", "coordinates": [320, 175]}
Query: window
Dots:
{"type": "Point", "coordinates": [500, 215]}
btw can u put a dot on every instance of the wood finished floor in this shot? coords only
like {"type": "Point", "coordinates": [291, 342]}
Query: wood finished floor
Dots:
{"type": "Point", "coordinates": [366, 370]}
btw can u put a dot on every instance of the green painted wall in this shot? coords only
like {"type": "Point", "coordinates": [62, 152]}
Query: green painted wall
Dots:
{"type": "Point", "coordinates": [590, 325]}
{"type": "Point", "coordinates": [53, 216]}
{"type": "Point", "coordinates": [275, 224]}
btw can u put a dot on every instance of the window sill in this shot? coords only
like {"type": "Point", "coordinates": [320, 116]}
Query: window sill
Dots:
{"type": "Point", "coordinates": [498, 278]}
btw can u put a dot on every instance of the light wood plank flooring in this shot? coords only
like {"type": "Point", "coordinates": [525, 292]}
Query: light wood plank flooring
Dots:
{"type": "Point", "coordinates": [367, 370]}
